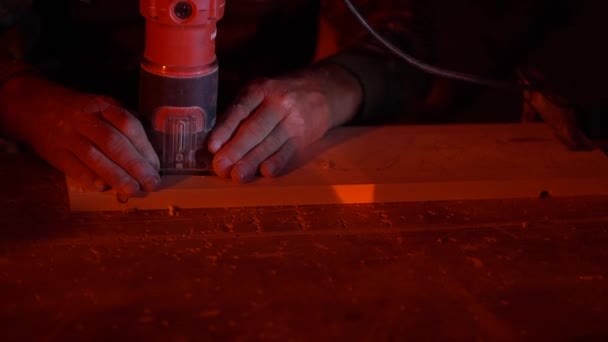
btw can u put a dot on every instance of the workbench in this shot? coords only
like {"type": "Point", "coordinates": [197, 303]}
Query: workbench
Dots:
{"type": "Point", "coordinates": [517, 269]}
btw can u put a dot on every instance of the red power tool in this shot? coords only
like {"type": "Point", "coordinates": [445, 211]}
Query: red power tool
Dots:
{"type": "Point", "coordinates": [179, 81]}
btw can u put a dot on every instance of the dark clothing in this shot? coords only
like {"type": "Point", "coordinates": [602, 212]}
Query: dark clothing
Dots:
{"type": "Point", "coordinates": [560, 40]}
{"type": "Point", "coordinates": [96, 45]}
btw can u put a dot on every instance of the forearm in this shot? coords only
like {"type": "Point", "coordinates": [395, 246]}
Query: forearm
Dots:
{"type": "Point", "coordinates": [390, 87]}
{"type": "Point", "coordinates": [14, 17]}
{"type": "Point", "coordinates": [343, 91]}
{"type": "Point", "coordinates": [23, 96]}
{"type": "Point", "coordinates": [14, 92]}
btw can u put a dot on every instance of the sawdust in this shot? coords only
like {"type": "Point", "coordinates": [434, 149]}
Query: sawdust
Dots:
{"type": "Point", "coordinates": [173, 211]}
{"type": "Point", "coordinates": [255, 220]}
{"type": "Point", "coordinates": [384, 219]}
{"type": "Point", "coordinates": [146, 319]}
{"type": "Point", "coordinates": [228, 227]}
{"type": "Point", "coordinates": [129, 210]}
{"type": "Point", "coordinates": [209, 313]}
{"type": "Point", "coordinates": [320, 246]}
{"type": "Point", "coordinates": [299, 218]}
{"type": "Point", "coordinates": [590, 277]}
{"type": "Point", "coordinates": [477, 263]}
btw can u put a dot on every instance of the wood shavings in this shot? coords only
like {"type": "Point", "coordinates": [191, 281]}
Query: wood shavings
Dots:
{"type": "Point", "coordinates": [209, 313]}
{"type": "Point", "coordinates": [477, 263]}
{"type": "Point", "coordinates": [590, 277]}
{"type": "Point", "coordinates": [173, 211]}
{"type": "Point", "coordinates": [228, 227]}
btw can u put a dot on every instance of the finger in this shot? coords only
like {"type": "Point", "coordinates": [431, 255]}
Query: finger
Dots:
{"type": "Point", "coordinates": [74, 168]}
{"type": "Point", "coordinates": [251, 133]}
{"type": "Point", "coordinates": [131, 128]}
{"type": "Point", "coordinates": [276, 164]}
{"type": "Point", "coordinates": [251, 99]}
{"type": "Point", "coordinates": [110, 172]}
{"type": "Point", "coordinates": [117, 148]}
{"type": "Point", "coordinates": [245, 169]}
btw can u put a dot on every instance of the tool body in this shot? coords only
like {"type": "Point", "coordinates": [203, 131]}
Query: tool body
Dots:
{"type": "Point", "coordinates": [179, 81]}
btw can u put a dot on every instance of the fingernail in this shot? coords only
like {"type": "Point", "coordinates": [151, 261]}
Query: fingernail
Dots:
{"type": "Point", "coordinates": [156, 165]}
{"type": "Point", "coordinates": [223, 164]}
{"type": "Point", "coordinates": [131, 188]}
{"type": "Point", "coordinates": [240, 174]}
{"type": "Point", "coordinates": [214, 146]}
{"type": "Point", "coordinates": [151, 183]}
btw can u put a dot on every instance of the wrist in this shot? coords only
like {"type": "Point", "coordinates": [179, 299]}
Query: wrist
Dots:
{"type": "Point", "coordinates": [18, 98]}
{"type": "Point", "coordinates": [343, 91]}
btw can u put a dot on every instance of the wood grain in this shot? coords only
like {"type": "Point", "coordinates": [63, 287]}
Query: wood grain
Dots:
{"type": "Point", "coordinates": [393, 164]}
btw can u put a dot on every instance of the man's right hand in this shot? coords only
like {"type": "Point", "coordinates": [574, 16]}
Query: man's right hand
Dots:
{"type": "Point", "coordinates": [90, 138]}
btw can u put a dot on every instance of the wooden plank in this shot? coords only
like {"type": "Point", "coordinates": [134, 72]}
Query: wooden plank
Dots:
{"type": "Point", "coordinates": [394, 164]}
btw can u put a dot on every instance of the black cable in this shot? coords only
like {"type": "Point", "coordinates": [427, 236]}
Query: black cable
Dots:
{"type": "Point", "coordinates": [430, 69]}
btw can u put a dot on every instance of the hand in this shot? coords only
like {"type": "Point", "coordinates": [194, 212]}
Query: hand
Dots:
{"type": "Point", "coordinates": [90, 138]}
{"type": "Point", "coordinates": [275, 118]}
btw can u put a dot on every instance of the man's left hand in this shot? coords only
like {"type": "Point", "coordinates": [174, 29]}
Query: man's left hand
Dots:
{"type": "Point", "coordinates": [275, 118]}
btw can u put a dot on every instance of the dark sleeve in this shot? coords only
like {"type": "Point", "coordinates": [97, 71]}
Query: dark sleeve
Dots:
{"type": "Point", "coordinates": [18, 28]}
{"type": "Point", "coordinates": [390, 86]}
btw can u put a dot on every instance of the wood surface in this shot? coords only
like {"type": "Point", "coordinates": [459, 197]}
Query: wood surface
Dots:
{"type": "Point", "coordinates": [394, 164]}
{"type": "Point", "coordinates": [490, 270]}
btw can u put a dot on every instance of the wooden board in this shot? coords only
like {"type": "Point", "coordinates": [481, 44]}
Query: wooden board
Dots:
{"type": "Point", "coordinates": [394, 164]}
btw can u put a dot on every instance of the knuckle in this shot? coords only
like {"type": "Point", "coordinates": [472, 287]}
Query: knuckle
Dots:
{"type": "Point", "coordinates": [273, 142]}
{"type": "Point", "coordinates": [90, 153]}
{"type": "Point", "coordinates": [127, 124]}
{"type": "Point", "coordinates": [295, 125]}
{"type": "Point", "coordinates": [317, 98]}
{"type": "Point", "coordinates": [96, 103]}
{"type": "Point", "coordinates": [252, 128]}
{"type": "Point", "coordinates": [238, 111]}
{"type": "Point", "coordinates": [286, 100]}
{"type": "Point", "coordinates": [114, 142]}
{"type": "Point", "coordinates": [136, 166]}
